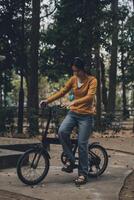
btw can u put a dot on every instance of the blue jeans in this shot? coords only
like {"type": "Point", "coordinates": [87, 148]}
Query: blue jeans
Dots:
{"type": "Point", "coordinates": [84, 123]}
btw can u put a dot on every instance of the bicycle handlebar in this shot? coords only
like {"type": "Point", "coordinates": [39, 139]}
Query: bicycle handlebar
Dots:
{"type": "Point", "coordinates": [54, 106]}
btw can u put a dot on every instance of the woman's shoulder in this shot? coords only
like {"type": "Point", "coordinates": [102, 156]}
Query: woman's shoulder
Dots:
{"type": "Point", "coordinates": [73, 78]}
{"type": "Point", "coordinates": [92, 78]}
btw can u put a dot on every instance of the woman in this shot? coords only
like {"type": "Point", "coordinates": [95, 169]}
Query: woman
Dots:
{"type": "Point", "coordinates": [82, 109]}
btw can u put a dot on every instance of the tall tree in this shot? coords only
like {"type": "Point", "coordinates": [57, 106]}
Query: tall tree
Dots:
{"type": "Point", "coordinates": [33, 71]}
{"type": "Point", "coordinates": [70, 35]}
{"type": "Point", "coordinates": [98, 64]}
{"type": "Point", "coordinates": [103, 81]}
{"type": "Point", "coordinates": [113, 66]}
{"type": "Point", "coordinates": [21, 92]}
{"type": "Point", "coordinates": [125, 50]}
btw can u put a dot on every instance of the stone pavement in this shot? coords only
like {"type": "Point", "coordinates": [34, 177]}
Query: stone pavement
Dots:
{"type": "Point", "coordinates": [6, 195]}
{"type": "Point", "coordinates": [59, 185]}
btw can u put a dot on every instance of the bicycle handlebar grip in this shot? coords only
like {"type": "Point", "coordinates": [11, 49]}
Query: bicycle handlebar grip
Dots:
{"type": "Point", "coordinates": [43, 104]}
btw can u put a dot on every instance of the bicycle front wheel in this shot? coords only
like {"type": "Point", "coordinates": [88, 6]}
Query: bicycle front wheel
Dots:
{"type": "Point", "coordinates": [33, 166]}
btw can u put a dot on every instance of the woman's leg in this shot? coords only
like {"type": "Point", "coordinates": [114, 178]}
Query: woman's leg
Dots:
{"type": "Point", "coordinates": [85, 130]}
{"type": "Point", "coordinates": [64, 135]}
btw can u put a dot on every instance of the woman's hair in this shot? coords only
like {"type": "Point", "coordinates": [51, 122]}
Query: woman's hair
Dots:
{"type": "Point", "coordinates": [78, 62]}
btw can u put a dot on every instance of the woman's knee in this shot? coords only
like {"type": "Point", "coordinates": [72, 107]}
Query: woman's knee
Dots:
{"type": "Point", "coordinates": [61, 132]}
{"type": "Point", "coordinates": [64, 132]}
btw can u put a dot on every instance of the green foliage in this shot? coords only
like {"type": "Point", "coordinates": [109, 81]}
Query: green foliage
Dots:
{"type": "Point", "coordinates": [72, 33]}
{"type": "Point", "coordinates": [126, 44]}
{"type": "Point", "coordinates": [11, 44]}
{"type": "Point", "coordinates": [43, 87]}
{"type": "Point", "coordinates": [76, 28]}
{"type": "Point", "coordinates": [13, 95]}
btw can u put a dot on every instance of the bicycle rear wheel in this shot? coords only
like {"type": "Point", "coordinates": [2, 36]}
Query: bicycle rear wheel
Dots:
{"type": "Point", "coordinates": [98, 160]}
{"type": "Point", "coordinates": [33, 166]}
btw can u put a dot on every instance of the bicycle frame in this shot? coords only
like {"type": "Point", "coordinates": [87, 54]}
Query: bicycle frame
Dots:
{"type": "Point", "coordinates": [46, 140]}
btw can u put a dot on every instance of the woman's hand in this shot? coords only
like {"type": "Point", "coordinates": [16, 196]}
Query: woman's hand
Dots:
{"type": "Point", "coordinates": [72, 103]}
{"type": "Point", "coordinates": [43, 103]}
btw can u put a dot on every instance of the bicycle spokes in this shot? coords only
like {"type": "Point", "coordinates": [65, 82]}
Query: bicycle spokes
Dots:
{"type": "Point", "coordinates": [97, 159]}
{"type": "Point", "coordinates": [34, 167]}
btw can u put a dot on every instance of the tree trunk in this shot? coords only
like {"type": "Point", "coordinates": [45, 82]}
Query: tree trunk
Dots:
{"type": "Point", "coordinates": [113, 67]}
{"type": "Point", "coordinates": [98, 67]}
{"type": "Point", "coordinates": [1, 101]}
{"type": "Point", "coordinates": [21, 91]}
{"type": "Point", "coordinates": [4, 90]}
{"type": "Point", "coordinates": [104, 88]}
{"type": "Point", "coordinates": [124, 100]}
{"type": "Point", "coordinates": [33, 78]}
{"type": "Point", "coordinates": [99, 98]}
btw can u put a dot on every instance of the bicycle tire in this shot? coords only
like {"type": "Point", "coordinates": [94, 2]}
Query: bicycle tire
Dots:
{"type": "Point", "coordinates": [20, 165]}
{"type": "Point", "coordinates": [104, 152]}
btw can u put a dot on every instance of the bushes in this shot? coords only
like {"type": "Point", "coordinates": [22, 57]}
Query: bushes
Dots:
{"type": "Point", "coordinates": [6, 119]}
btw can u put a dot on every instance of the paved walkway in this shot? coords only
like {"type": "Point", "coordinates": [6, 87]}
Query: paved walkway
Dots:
{"type": "Point", "coordinates": [59, 185]}
{"type": "Point", "coordinates": [6, 195]}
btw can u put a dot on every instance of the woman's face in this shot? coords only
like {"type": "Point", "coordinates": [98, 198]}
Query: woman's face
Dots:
{"type": "Point", "coordinates": [77, 72]}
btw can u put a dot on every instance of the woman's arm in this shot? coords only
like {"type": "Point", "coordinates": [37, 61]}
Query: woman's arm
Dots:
{"type": "Point", "coordinates": [62, 92]}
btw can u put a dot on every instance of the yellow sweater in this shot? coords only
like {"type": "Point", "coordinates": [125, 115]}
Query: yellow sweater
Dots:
{"type": "Point", "coordinates": [84, 96]}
